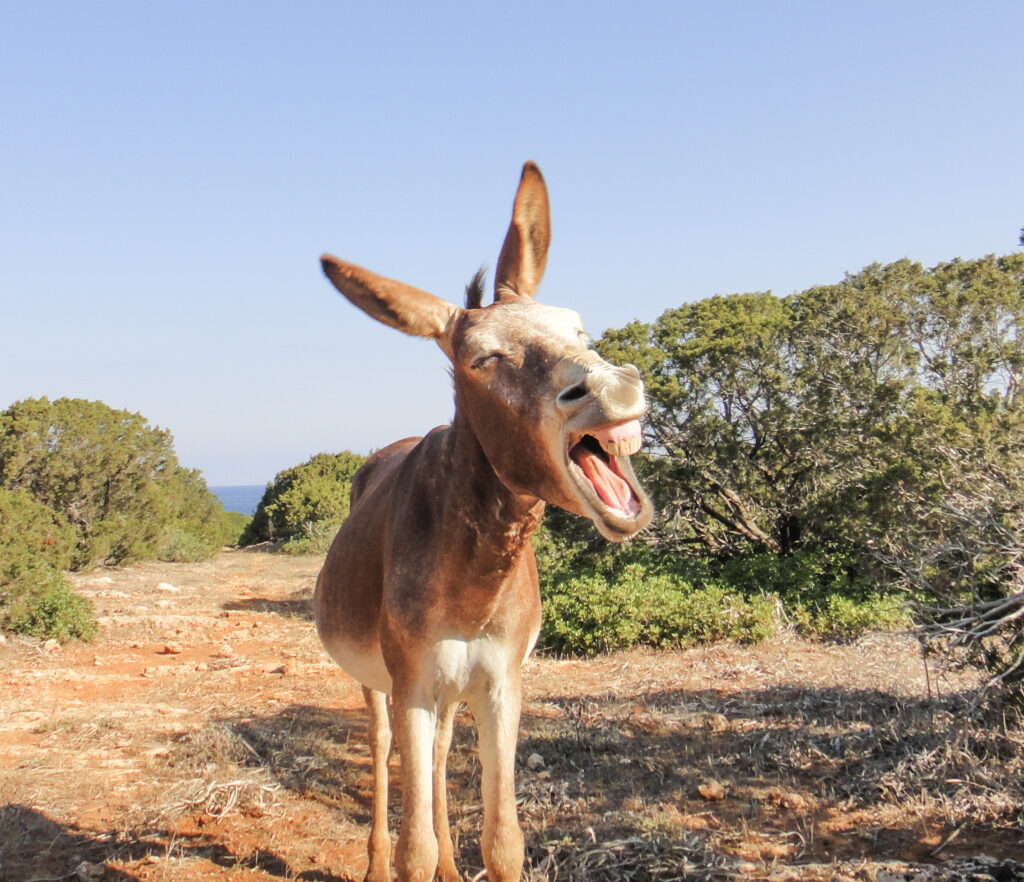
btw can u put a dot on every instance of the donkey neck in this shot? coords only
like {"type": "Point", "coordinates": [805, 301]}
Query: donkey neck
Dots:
{"type": "Point", "coordinates": [496, 521]}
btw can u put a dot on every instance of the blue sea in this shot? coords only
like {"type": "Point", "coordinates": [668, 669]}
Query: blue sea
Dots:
{"type": "Point", "coordinates": [240, 497]}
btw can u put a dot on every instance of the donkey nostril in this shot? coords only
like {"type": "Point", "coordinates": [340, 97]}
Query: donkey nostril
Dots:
{"type": "Point", "coordinates": [573, 393]}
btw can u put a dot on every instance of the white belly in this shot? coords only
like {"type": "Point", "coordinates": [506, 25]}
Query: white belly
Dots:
{"type": "Point", "coordinates": [364, 664]}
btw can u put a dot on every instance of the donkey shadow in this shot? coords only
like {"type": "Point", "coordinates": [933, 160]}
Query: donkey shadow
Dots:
{"type": "Point", "coordinates": [34, 846]}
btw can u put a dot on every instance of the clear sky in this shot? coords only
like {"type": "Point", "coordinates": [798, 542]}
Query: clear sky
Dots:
{"type": "Point", "coordinates": [170, 173]}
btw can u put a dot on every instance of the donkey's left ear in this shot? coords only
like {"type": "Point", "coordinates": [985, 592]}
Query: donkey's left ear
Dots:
{"type": "Point", "coordinates": [525, 251]}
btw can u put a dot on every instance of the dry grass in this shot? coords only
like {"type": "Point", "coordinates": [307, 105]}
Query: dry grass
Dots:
{"type": "Point", "coordinates": [243, 756]}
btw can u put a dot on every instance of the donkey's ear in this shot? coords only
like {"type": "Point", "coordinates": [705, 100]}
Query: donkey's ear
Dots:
{"type": "Point", "coordinates": [396, 304]}
{"type": "Point", "coordinates": [525, 252]}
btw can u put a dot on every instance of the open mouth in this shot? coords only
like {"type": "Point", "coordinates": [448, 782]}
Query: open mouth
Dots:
{"type": "Point", "coordinates": [602, 471]}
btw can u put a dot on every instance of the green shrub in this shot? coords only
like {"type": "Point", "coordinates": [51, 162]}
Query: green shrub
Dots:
{"type": "Point", "coordinates": [598, 612]}
{"type": "Point", "coordinates": [599, 596]}
{"type": "Point", "coordinates": [195, 523]}
{"type": "Point", "coordinates": [843, 618]}
{"type": "Point", "coordinates": [35, 546]}
{"type": "Point", "coordinates": [233, 525]}
{"type": "Point", "coordinates": [316, 538]}
{"type": "Point", "coordinates": [41, 603]}
{"type": "Point", "coordinates": [305, 505]}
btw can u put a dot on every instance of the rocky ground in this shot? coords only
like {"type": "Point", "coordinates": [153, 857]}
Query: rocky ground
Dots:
{"type": "Point", "coordinates": [205, 735]}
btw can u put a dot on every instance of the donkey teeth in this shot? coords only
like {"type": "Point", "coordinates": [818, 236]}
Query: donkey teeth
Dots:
{"type": "Point", "coordinates": [622, 448]}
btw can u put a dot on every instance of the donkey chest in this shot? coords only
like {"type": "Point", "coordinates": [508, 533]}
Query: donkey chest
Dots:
{"type": "Point", "coordinates": [457, 668]}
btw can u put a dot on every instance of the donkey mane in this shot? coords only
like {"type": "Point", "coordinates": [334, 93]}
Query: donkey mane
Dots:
{"type": "Point", "coordinates": [475, 290]}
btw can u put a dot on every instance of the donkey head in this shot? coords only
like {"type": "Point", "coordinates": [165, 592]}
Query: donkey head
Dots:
{"type": "Point", "coordinates": [554, 419]}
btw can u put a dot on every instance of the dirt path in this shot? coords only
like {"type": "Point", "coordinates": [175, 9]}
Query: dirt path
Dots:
{"type": "Point", "coordinates": [205, 735]}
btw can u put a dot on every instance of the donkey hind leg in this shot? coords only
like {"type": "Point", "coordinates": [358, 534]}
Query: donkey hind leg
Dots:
{"type": "Point", "coordinates": [446, 870]}
{"type": "Point", "coordinates": [497, 719]}
{"type": "Point", "coordinates": [379, 847]}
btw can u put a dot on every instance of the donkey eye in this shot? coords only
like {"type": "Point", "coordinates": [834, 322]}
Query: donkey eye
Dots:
{"type": "Point", "coordinates": [484, 360]}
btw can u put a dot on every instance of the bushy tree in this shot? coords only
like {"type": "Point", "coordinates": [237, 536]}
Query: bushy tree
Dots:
{"type": "Point", "coordinates": [863, 427]}
{"type": "Point", "coordinates": [110, 476]}
{"type": "Point", "coordinates": [776, 423]}
{"type": "Point", "coordinates": [304, 505]}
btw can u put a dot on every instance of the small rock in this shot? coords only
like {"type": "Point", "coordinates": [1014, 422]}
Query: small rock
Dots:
{"type": "Point", "coordinates": [85, 871]}
{"type": "Point", "coordinates": [535, 762]}
{"type": "Point", "coordinates": [173, 649]}
{"type": "Point", "coordinates": [225, 650]}
{"type": "Point", "coordinates": [711, 789]}
{"type": "Point", "coordinates": [276, 669]}
{"type": "Point", "coordinates": [164, 604]}
{"type": "Point", "coordinates": [51, 645]}
{"type": "Point", "coordinates": [3, 639]}
{"type": "Point", "coordinates": [168, 587]}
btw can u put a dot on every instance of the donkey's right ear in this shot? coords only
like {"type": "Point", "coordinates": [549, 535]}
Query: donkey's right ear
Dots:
{"type": "Point", "coordinates": [524, 253]}
{"type": "Point", "coordinates": [396, 304]}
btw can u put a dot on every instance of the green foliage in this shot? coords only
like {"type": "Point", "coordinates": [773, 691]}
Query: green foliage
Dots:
{"type": "Point", "coordinates": [853, 449]}
{"type": "Point", "coordinates": [35, 546]}
{"type": "Point", "coordinates": [195, 525]}
{"type": "Point", "coordinates": [305, 505]}
{"type": "Point", "coordinates": [42, 604]}
{"type": "Point", "coordinates": [233, 525]}
{"type": "Point", "coordinates": [599, 597]}
{"type": "Point", "coordinates": [837, 617]}
{"type": "Point", "coordinates": [31, 536]}
{"type": "Point", "coordinates": [598, 612]}
{"type": "Point", "coordinates": [785, 423]}
{"type": "Point", "coordinates": [112, 478]}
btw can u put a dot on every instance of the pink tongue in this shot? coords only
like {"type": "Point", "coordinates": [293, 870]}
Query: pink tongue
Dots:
{"type": "Point", "coordinates": [609, 484]}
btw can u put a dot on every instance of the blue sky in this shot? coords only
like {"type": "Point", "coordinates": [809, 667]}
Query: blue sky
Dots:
{"type": "Point", "coordinates": [170, 173]}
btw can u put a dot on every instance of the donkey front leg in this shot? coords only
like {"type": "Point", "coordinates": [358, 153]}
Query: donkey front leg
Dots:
{"type": "Point", "coordinates": [380, 749]}
{"type": "Point", "coordinates": [497, 718]}
{"type": "Point", "coordinates": [415, 719]}
{"type": "Point", "coordinates": [446, 870]}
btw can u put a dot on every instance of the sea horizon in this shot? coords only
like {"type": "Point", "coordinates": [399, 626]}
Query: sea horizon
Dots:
{"type": "Point", "coordinates": [241, 498]}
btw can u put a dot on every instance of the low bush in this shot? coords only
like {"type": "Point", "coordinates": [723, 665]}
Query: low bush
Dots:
{"type": "Point", "coordinates": [598, 596]}
{"type": "Point", "coordinates": [304, 505]}
{"type": "Point", "coordinates": [233, 526]}
{"type": "Point", "coordinates": [837, 617]}
{"type": "Point", "coordinates": [41, 603]}
{"type": "Point", "coordinates": [599, 612]}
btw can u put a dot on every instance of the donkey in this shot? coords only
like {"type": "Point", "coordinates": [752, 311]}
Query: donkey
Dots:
{"type": "Point", "coordinates": [429, 594]}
